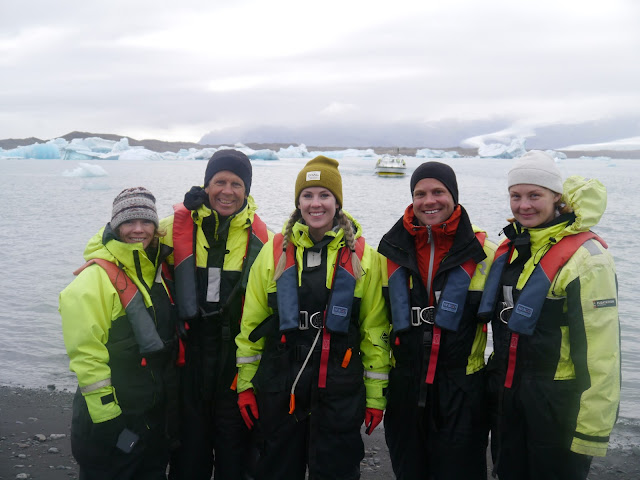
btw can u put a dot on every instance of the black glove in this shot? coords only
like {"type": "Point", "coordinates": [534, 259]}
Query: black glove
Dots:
{"type": "Point", "coordinates": [106, 433]}
{"type": "Point", "coordinates": [196, 197]}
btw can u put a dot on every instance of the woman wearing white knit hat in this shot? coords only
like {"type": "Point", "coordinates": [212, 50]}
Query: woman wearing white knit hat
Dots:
{"type": "Point", "coordinates": [118, 324]}
{"type": "Point", "coordinates": [551, 296]}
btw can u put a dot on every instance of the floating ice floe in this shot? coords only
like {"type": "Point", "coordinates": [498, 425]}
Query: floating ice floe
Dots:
{"type": "Point", "coordinates": [86, 170]}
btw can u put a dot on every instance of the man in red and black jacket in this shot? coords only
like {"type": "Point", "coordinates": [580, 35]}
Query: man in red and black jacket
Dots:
{"type": "Point", "coordinates": [436, 424]}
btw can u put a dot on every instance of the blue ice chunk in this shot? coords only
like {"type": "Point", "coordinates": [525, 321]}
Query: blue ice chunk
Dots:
{"type": "Point", "coordinates": [41, 151]}
{"type": "Point", "coordinates": [263, 154]}
{"type": "Point", "coordinates": [86, 170]}
{"type": "Point", "coordinates": [429, 153]}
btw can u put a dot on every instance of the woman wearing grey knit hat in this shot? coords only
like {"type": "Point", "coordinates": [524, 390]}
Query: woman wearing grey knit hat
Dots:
{"type": "Point", "coordinates": [313, 352]}
{"type": "Point", "coordinates": [118, 324]}
{"type": "Point", "coordinates": [551, 297]}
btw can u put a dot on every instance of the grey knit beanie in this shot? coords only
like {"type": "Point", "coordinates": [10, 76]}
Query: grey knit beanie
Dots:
{"type": "Point", "coordinates": [131, 204]}
{"type": "Point", "coordinates": [536, 168]}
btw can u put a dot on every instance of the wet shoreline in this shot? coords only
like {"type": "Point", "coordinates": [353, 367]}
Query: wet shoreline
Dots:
{"type": "Point", "coordinates": [35, 426]}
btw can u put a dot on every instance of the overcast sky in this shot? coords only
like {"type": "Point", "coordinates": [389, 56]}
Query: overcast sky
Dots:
{"type": "Point", "coordinates": [289, 68]}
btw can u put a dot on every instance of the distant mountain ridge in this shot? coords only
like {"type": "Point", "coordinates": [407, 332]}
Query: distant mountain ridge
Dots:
{"type": "Point", "coordinates": [164, 146]}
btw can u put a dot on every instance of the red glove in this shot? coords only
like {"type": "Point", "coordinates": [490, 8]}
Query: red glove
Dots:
{"type": "Point", "coordinates": [372, 419]}
{"type": "Point", "coordinates": [248, 407]}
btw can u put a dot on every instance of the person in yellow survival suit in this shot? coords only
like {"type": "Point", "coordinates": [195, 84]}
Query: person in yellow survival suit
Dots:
{"type": "Point", "coordinates": [118, 324]}
{"type": "Point", "coordinates": [551, 296]}
{"type": "Point", "coordinates": [215, 235]}
{"type": "Point", "coordinates": [436, 263]}
{"type": "Point", "coordinates": [313, 353]}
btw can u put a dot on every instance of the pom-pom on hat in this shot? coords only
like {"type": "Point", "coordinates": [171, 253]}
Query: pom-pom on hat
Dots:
{"type": "Point", "coordinates": [320, 172]}
{"type": "Point", "coordinates": [441, 172]}
{"type": "Point", "coordinates": [132, 204]}
{"type": "Point", "coordinates": [233, 161]}
{"type": "Point", "coordinates": [536, 168]}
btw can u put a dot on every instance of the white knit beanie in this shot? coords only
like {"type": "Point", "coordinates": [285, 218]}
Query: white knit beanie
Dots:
{"type": "Point", "coordinates": [536, 168]}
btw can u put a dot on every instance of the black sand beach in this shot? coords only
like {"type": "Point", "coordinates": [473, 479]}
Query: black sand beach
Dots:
{"type": "Point", "coordinates": [35, 427]}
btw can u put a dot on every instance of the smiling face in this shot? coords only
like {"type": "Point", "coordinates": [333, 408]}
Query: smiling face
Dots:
{"type": "Point", "coordinates": [532, 205]}
{"type": "Point", "coordinates": [318, 208]}
{"type": "Point", "coordinates": [226, 193]}
{"type": "Point", "coordinates": [432, 202]}
{"type": "Point", "coordinates": [137, 231]}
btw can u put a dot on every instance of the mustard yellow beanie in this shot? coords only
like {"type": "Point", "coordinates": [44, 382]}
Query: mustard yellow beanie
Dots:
{"type": "Point", "coordinates": [320, 172]}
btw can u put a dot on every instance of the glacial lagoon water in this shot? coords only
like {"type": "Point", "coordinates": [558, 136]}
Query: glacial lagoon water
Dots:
{"type": "Point", "coordinates": [47, 218]}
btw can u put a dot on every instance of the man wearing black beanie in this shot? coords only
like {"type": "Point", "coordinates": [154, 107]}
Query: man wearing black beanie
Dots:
{"type": "Point", "coordinates": [216, 235]}
{"type": "Point", "coordinates": [436, 422]}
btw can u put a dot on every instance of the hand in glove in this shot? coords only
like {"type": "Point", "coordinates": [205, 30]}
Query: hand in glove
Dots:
{"type": "Point", "coordinates": [107, 432]}
{"type": "Point", "coordinates": [372, 419]}
{"type": "Point", "coordinates": [248, 407]}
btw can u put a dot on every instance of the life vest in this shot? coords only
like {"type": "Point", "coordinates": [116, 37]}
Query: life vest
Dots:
{"type": "Point", "coordinates": [339, 308]}
{"type": "Point", "coordinates": [526, 311]}
{"type": "Point", "coordinates": [448, 310]}
{"type": "Point", "coordinates": [450, 304]}
{"type": "Point", "coordinates": [184, 241]}
{"type": "Point", "coordinates": [143, 326]}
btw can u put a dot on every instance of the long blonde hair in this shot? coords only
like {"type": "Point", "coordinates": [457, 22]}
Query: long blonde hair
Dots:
{"type": "Point", "coordinates": [349, 236]}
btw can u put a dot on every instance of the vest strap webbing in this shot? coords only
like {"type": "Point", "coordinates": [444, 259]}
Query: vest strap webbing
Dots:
{"type": "Point", "coordinates": [450, 304]}
{"type": "Point", "coordinates": [339, 308]}
{"type": "Point", "coordinates": [527, 309]}
{"type": "Point", "coordinates": [142, 325]}
{"type": "Point", "coordinates": [184, 261]}
{"type": "Point", "coordinates": [337, 315]}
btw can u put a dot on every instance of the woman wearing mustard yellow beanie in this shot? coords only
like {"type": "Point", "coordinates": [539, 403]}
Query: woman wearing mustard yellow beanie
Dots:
{"type": "Point", "coordinates": [313, 351]}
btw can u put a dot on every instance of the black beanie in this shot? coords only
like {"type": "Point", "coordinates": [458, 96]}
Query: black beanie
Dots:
{"type": "Point", "coordinates": [439, 171]}
{"type": "Point", "coordinates": [233, 161]}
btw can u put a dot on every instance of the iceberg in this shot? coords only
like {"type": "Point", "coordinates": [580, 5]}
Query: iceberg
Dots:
{"type": "Point", "coordinates": [94, 148]}
{"type": "Point", "coordinates": [86, 170]}
{"type": "Point", "coordinates": [429, 153]}
{"type": "Point", "coordinates": [41, 151]}
{"type": "Point", "coordinates": [556, 155]}
{"type": "Point", "coordinates": [194, 154]}
{"type": "Point", "coordinates": [514, 149]}
{"type": "Point", "coordinates": [294, 152]}
{"type": "Point", "coordinates": [140, 154]}
{"type": "Point", "coordinates": [263, 154]}
{"type": "Point", "coordinates": [98, 145]}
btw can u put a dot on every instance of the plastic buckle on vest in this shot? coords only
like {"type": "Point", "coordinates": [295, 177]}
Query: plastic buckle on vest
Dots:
{"type": "Point", "coordinates": [505, 313]}
{"type": "Point", "coordinates": [422, 315]}
{"type": "Point", "coordinates": [303, 320]}
{"type": "Point", "coordinates": [307, 320]}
